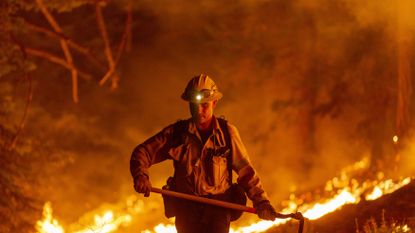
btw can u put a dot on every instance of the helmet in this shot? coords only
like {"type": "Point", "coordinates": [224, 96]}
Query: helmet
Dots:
{"type": "Point", "coordinates": [201, 89]}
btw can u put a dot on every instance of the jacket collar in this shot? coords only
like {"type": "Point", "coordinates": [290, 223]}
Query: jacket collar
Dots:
{"type": "Point", "coordinates": [217, 131]}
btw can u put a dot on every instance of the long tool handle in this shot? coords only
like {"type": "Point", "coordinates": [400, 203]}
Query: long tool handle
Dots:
{"type": "Point", "coordinates": [214, 202]}
{"type": "Point", "coordinates": [204, 200]}
{"type": "Point", "coordinates": [301, 226]}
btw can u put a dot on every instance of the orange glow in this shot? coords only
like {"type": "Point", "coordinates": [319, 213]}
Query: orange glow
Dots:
{"type": "Point", "coordinates": [404, 228]}
{"type": "Point", "coordinates": [325, 206]}
{"type": "Point", "coordinates": [375, 194]}
{"type": "Point", "coordinates": [346, 189]}
{"type": "Point", "coordinates": [320, 209]}
{"type": "Point", "coordinates": [165, 228]}
{"type": "Point", "coordinates": [395, 139]}
{"type": "Point", "coordinates": [48, 224]}
{"type": "Point", "coordinates": [107, 223]}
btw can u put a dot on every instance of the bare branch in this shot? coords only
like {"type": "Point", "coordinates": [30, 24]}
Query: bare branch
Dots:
{"type": "Point", "coordinates": [125, 42]}
{"type": "Point", "coordinates": [54, 59]}
{"type": "Point", "coordinates": [81, 49]}
{"type": "Point", "coordinates": [74, 73]}
{"type": "Point", "coordinates": [48, 32]}
{"type": "Point", "coordinates": [104, 35]}
{"type": "Point", "coordinates": [125, 36]}
{"type": "Point", "coordinates": [26, 112]}
{"type": "Point", "coordinates": [64, 46]}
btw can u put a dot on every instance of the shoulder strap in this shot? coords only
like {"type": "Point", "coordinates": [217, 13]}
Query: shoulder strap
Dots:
{"type": "Point", "coordinates": [179, 128]}
{"type": "Point", "coordinates": [223, 124]}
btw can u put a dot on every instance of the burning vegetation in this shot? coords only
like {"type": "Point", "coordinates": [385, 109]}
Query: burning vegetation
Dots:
{"type": "Point", "coordinates": [321, 93]}
{"type": "Point", "coordinates": [338, 192]}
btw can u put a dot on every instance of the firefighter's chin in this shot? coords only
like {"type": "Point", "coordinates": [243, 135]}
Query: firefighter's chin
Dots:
{"type": "Point", "coordinates": [199, 119]}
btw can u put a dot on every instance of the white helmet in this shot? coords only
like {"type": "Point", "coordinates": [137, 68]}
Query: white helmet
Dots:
{"type": "Point", "coordinates": [201, 89]}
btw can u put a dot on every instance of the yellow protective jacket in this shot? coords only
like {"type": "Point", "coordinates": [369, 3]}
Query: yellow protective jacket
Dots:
{"type": "Point", "coordinates": [196, 172]}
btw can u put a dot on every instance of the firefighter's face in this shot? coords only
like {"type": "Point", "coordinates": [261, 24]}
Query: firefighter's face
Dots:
{"type": "Point", "coordinates": [202, 112]}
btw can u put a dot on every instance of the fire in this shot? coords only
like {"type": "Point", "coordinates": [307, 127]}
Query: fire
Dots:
{"type": "Point", "coordinates": [114, 218]}
{"type": "Point", "coordinates": [107, 223]}
{"type": "Point", "coordinates": [165, 228]}
{"type": "Point", "coordinates": [385, 187]}
{"type": "Point", "coordinates": [48, 224]}
{"type": "Point", "coordinates": [349, 191]}
{"type": "Point", "coordinates": [169, 228]}
{"type": "Point", "coordinates": [345, 195]}
{"type": "Point", "coordinates": [343, 189]}
{"type": "Point", "coordinates": [377, 192]}
{"type": "Point", "coordinates": [318, 210]}
{"type": "Point", "coordinates": [404, 228]}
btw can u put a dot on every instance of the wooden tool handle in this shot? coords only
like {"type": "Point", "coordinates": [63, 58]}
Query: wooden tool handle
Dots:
{"type": "Point", "coordinates": [204, 200]}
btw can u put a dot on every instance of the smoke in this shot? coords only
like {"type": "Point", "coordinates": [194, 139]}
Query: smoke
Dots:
{"type": "Point", "coordinates": [405, 165]}
{"type": "Point", "coordinates": [309, 85]}
{"type": "Point", "coordinates": [300, 80]}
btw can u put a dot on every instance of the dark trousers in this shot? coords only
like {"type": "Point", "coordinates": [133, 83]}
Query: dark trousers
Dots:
{"type": "Point", "coordinates": [201, 218]}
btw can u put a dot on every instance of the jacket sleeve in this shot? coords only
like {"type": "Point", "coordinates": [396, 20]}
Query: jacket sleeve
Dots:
{"type": "Point", "coordinates": [152, 151]}
{"type": "Point", "coordinates": [247, 176]}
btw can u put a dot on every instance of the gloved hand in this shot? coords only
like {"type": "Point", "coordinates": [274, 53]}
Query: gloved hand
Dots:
{"type": "Point", "coordinates": [142, 185]}
{"type": "Point", "coordinates": [265, 211]}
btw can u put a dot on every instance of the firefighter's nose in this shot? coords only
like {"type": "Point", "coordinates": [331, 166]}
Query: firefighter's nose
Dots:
{"type": "Point", "coordinates": [199, 109]}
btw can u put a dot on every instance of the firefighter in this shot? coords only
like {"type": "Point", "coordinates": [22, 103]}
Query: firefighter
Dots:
{"type": "Point", "coordinates": [205, 149]}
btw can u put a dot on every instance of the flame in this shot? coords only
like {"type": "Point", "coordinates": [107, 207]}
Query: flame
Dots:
{"type": "Point", "coordinates": [377, 192]}
{"type": "Point", "coordinates": [331, 205]}
{"type": "Point", "coordinates": [107, 223]}
{"type": "Point", "coordinates": [404, 228]}
{"type": "Point", "coordinates": [168, 228]}
{"type": "Point", "coordinates": [112, 219]}
{"type": "Point", "coordinates": [48, 224]}
{"type": "Point", "coordinates": [345, 195]}
{"type": "Point", "coordinates": [349, 191]}
{"type": "Point", "coordinates": [343, 190]}
{"type": "Point", "coordinates": [165, 228]}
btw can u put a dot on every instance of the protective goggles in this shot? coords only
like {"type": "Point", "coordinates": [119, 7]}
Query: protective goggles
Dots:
{"type": "Point", "coordinates": [202, 94]}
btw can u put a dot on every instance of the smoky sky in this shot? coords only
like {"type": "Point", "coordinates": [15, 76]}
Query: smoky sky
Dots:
{"type": "Point", "coordinates": [306, 83]}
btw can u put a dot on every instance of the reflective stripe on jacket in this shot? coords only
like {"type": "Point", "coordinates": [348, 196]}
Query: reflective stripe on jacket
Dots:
{"type": "Point", "coordinates": [196, 171]}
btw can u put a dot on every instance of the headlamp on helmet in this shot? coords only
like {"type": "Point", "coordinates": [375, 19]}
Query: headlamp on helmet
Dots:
{"type": "Point", "coordinates": [199, 96]}
{"type": "Point", "coordinates": [201, 89]}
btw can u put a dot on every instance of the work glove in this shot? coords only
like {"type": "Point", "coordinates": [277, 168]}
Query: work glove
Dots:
{"type": "Point", "coordinates": [265, 211]}
{"type": "Point", "coordinates": [142, 184]}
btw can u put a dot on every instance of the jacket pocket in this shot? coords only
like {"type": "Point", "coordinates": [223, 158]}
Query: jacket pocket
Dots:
{"type": "Point", "coordinates": [219, 168]}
